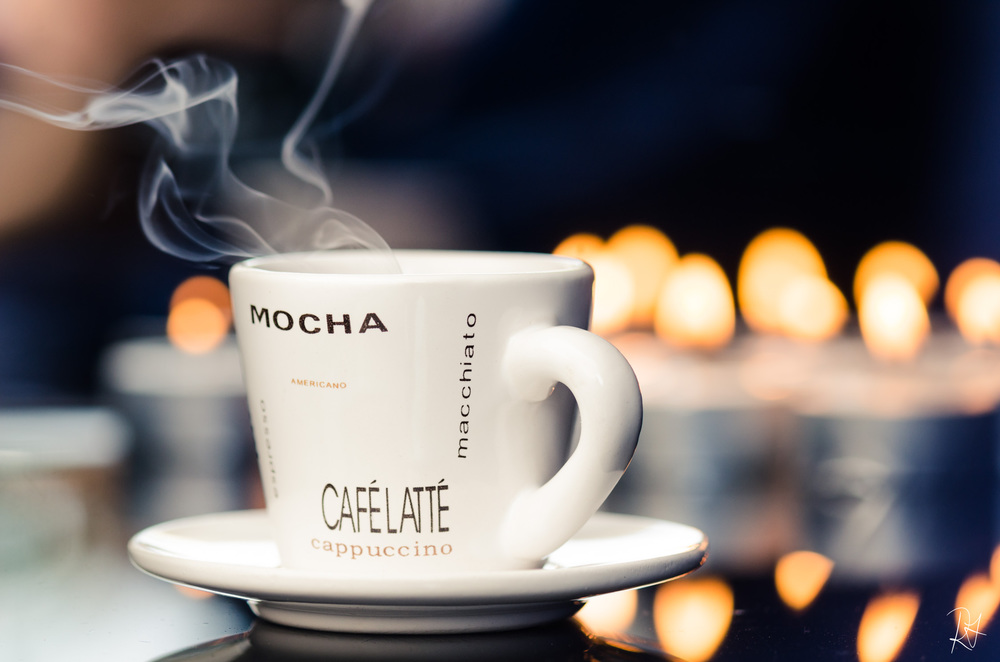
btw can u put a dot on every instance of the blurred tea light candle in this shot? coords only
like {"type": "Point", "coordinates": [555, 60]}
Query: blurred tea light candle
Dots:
{"type": "Point", "coordinates": [686, 363]}
{"type": "Point", "coordinates": [791, 306]}
{"type": "Point", "coordinates": [902, 364]}
{"type": "Point", "coordinates": [771, 264]}
{"type": "Point", "coordinates": [900, 259]}
{"type": "Point", "coordinates": [194, 357]}
{"type": "Point", "coordinates": [183, 392]}
{"type": "Point", "coordinates": [200, 315]}
{"type": "Point", "coordinates": [709, 447]}
{"type": "Point", "coordinates": [629, 270]}
{"type": "Point", "coordinates": [695, 307]}
{"type": "Point", "coordinates": [705, 452]}
{"type": "Point", "coordinates": [972, 356]}
{"type": "Point", "coordinates": [648, 255]}
{"type": "Point", "coordinates": [899, 429]}
{"type": "Point", "coordinates": [972, 300]}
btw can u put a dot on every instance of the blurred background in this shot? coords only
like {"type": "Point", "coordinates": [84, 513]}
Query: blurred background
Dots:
{"type": "Point", "coordinates": [516, 125]}
{"type": "Point", "coordinates": [510, 125]}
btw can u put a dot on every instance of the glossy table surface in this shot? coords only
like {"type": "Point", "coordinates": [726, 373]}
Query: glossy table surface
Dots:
{"type": "Point", "coordinates": [92, 604]}
{"type": "Point", "coordinates": [109, 611]}
{"type": "Point", "coordinates": [894, 566]}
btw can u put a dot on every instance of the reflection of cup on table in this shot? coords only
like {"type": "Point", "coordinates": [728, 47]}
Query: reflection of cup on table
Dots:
{"type": "Point", "coordinates": [412, 422]}
{"type": "Point", "coordinates": [266, 642]}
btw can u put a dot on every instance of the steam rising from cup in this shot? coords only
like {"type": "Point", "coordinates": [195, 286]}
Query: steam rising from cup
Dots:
{"type": "Point", "coordinates": [191, 204]}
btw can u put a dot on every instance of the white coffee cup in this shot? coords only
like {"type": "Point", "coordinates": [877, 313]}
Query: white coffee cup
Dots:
{"type": "Point", "coordinates": [412, 423]}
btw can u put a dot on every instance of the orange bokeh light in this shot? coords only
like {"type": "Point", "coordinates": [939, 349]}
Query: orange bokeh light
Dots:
{"type": "Point", "coordinates": [902, 259]}
{"type": "Point", "coordinates": [204, 287]}
{"type": "Point", "coordinates": [692, 617]}
{"type": "Point", "coordinates": [193, 593]}
{"type": "Point", "coordinates": [771, 261]}
{"type": "Point", "coordinates": [885, 626]}
{"type": "Point", "coordinates": [893, 319]}
{"type": "Point", "coordinates": [695, 308]}
{"type": "Point", "coordinates": [609, 614]}
{"type": "Point", "coordinates": [582, 246]}
{"type": "Point", "coordinates": [977, 309]}
{"type": "Point", "coordinates": [800, 576]}
{"type": "Point", "coordinates": [962, 275]}
{"type": "Point", "coordinates": [648, 254]}
{"type": "Point", "coordinates": [200, 315]}
{"type": "Point", "coordinates": [614, 294]}
{"type": "Point", "coordinates": [811, 309]}
{"type": "Point", "coordinates": [196, 326]}
{"type": "Point", "coordinates": [977, 600]}
{"type": "Point", "coordinates": [614, 284]}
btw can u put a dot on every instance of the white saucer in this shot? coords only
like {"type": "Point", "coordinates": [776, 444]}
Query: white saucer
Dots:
{"type": "Point", "coordinates": [233, 554]}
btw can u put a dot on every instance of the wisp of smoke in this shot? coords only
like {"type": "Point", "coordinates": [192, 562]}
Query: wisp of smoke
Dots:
{"type": "Point", "coordinates": [191, 204]}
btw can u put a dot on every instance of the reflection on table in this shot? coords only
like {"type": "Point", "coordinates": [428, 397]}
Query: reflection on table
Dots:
{"type": "Point", "coordinates": [921, 583]}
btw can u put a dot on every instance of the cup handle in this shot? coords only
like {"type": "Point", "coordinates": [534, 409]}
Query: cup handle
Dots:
{"type": "Point", "coordinates": [607, 395]}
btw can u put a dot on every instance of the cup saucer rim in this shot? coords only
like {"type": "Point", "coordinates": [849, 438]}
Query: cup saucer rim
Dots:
{"type": "Point", "coordinates": [595, 561]}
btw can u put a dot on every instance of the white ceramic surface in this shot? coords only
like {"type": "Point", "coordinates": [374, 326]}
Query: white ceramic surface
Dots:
{"type": "Point", "coordinates": [234, 554]}
{"type": "Point", "coordinates": [401, 412]}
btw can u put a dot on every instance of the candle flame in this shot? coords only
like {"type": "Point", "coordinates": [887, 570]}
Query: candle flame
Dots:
{"type": "Point", "coordinates": [962, 275]}
{"type": "Point", "coordinates": [965, 273]}
{"type": "Point", "coordinates": [695, 308]}
{"type": "Point", "coordinates": [885, 625]}
{"type": "Point", "coordinates": [893, 318]}
{"type": "Point", "coordinates": [614, 287]}
{"type": "Point", "coordinates": [648, 254]}
{"type": "Point", "coordinates": [972, 299]}
{"type": "Point", "coordinates": [582, 246]}
{"type": "Point", "coordinates": [692, 617]}
{"type": "Point", "coordinates": [902, 259]}
{"type": "Point", "coordinates": [200, 315]}
{"type": "Point", "coordinates": [609, 614]}
{"type": "Point", "coordinates": [979, 311]}
{"type": "Point", "coordinates": [800, 576]}
{"type": "Point", "coordinates": [811, 309]}
{"type": "Point", "coordinates": [204, 287]}
{"type": "Point", "coordinates": [614, 294]}
{"type": "Point", "coordinates": [771, 261]}
{"type": "Point", "coordinates": [977, 600]}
